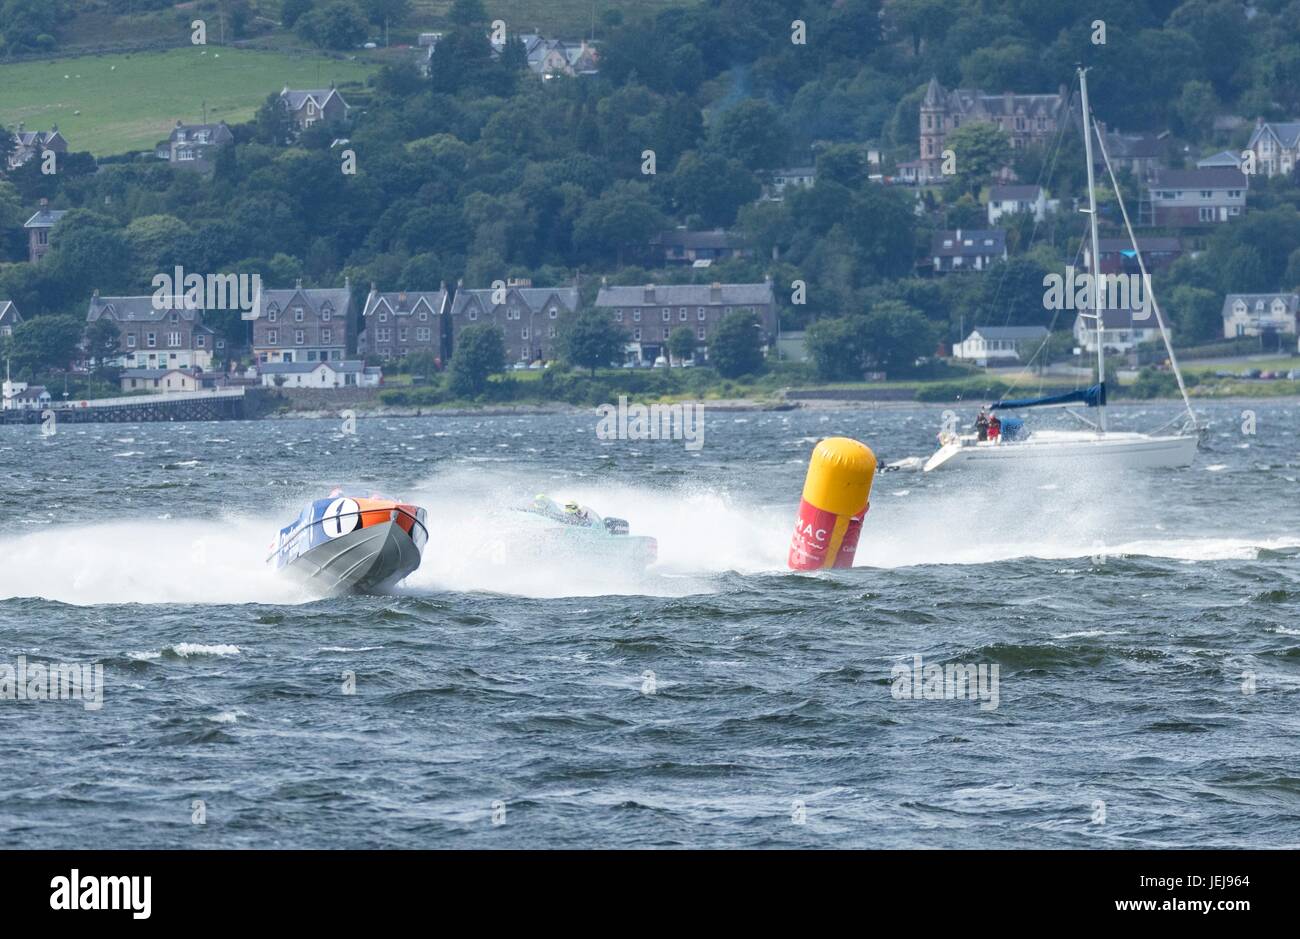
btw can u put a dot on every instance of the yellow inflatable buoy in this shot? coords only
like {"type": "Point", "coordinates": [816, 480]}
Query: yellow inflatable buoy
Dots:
{"type": "Point", "coordinates": [836, 496]}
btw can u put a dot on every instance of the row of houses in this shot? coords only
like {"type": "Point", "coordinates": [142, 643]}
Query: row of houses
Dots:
{"type": "Point", "coordinates": [1244, 314]}
{"type": "Point", "coordinates": [294, 330]}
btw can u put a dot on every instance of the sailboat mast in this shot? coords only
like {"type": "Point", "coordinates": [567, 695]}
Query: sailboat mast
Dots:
{"type": "Point", "coordinates": [1095, 266]}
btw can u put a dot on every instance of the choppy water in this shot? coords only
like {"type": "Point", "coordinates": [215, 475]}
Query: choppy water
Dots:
{"type": "Point", "coordinates": [717, 701]}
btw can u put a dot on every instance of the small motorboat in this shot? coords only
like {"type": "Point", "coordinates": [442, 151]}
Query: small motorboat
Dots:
{"type": "Point", "coordinates": [576, 531]}
{"type": "Point", "coordinates": [351, 544]}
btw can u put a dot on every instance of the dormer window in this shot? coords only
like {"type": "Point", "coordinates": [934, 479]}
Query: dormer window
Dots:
{"type": "Point", "coordinates": [297, 314]}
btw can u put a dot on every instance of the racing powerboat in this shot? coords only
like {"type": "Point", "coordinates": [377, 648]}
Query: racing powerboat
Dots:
{"type": "Point", "coordinates": [351, 544]}
{"type": "Point", "coordinates": [573, 530]}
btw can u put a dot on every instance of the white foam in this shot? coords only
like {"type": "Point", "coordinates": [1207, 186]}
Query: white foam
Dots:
{"type": "Point", "coordinates": [156, 561]}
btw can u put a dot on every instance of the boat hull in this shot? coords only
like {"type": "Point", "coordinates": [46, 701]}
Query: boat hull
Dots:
{"type": "Point", "coordinates": [1113, 451]}
{"type": "Point", "coordinates": [367, 560]}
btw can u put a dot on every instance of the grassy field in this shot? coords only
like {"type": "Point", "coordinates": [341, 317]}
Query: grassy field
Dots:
{"type": "Point", "coordinates": [130, 102]}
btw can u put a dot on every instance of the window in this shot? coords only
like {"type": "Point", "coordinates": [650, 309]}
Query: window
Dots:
{"type": "Point", "coordinates": [636, 316]}
{"type": "Point", "coordinates": [173, 340]}
{"type": "Point", "coordinates": [273, 337]}
{"type": "Point", "coordinates": [473, 314]}
{"type": "Point", "coordinates": [151, 340]}
{"type": "Point", "coordinates": [699, 313]}
{"type": "Point", "coordinates": [636, 334]}
{"type": "Point", "coordinates": [401, 334]}
{"type": "Point", "coordinates": [553, 313]}
{"type": "Point", "coordinates": [297, 314]}
{"type": "Point", "coordinates": [326, 313]}
{"type": "Point", "coordinates": [130, 340]}
{"type": "Point", "coordinates": [618, 316]}
{"type": "Point", "coordinates": [523, 333]}
{"type": "Point", "coordinates": [699, 333]}
{"type": "Point", "coordinates": [299, 337]}
{"type": "Point", "coordinates": [272, 315]}
{"type": "Point", "coordinates": [550, 332]}
{"type": "Point", "coordinates": [200, 341]}
{"type": "Point", "coordinates": [326, 335]}
{"type": "Point", "coordinates": [383, 317]}
{"type": "Point", "coordinates": [681, 314]}
{"type": "Point", "coordinates": [424, 316]}
{"type": "Point", "coordinates": [174, 318]}
{"type": "Point", "coordinates": [1206, 215]}
{"type": "Point", "coordinates": [668, 315]}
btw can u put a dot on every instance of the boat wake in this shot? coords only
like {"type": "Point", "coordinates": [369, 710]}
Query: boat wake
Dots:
{"type": "Point", "coordinates": [478, 544]}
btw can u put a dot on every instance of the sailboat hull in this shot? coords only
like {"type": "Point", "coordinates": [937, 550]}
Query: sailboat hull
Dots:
{"type": "Point", "coordinates": [1112, 451]}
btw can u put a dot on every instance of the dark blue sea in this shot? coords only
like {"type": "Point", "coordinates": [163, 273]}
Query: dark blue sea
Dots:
{"type": "Point", "coordinates": [1142, 629]}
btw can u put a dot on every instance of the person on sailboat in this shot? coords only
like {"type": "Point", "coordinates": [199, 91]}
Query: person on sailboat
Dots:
{"type": "Point", "coordinates": [982, 426]}
{"type": "Point", "coordinates": [995, 428]}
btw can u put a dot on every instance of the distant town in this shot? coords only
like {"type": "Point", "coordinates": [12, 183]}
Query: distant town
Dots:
{"type": "Point", "coordinates": [500, 214]}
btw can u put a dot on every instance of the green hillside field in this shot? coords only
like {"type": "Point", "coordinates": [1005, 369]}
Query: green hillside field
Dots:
{"type": "Point", "coordinates": [130, 101]}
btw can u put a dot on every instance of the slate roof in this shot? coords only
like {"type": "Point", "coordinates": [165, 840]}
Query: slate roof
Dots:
{"type": "Point", "coordinates": [687, 295]}
{"type": "Point", "coordinates": [1288, 134]}
{"type": "Point", "coordinates": [977, 246]}
{"type": "Point", "coordinates": [297, 100]}
{"type": "Point", "coordinates": [1291, 300]}
{"type": "Point", "coordinates": [218, 133]}
{"type": "Point", "coordinates": [137, 309]}
{"type": "Point", "coordinates": [1010, 332]}
{"type": "Point", "coordinates": [1215, 177]}
{"type": "Point", "coordinates": [534, 298]}
{"type": "Point", "coordinates": [152, 374]}
{"type": "Point", "coordinates": [291, 368]}
{"type": "Point", "coordinates": [45, 218]}
{"type": "Point", "coordinates": [405, 302]}
{"type": "Point", "coordinates": [1014, 193]}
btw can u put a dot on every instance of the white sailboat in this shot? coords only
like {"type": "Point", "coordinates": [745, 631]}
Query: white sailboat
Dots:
{"type": "Point", "coordinates": [1095, 444]}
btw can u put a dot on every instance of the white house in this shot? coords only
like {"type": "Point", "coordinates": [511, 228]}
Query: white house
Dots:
{"type": "Point", "coordinates": [1006, 200]}
{"type": "Point", "coordinates": [1276, 146]}
{"type": "Point", "coordinates": [805, 177]}
{"type": "Point", "coordinates": [997, 345]}
{"type": "Point", "coordinates": [1252, 314]}
{"type": "Point", "coordinates": [19, 396]}
{"type": "Point", "coordinates": [160, 380]}
{"type": "Point", "coordinates": [331, 374]}
{"type": "Point", "coordinates": [1122, 330]}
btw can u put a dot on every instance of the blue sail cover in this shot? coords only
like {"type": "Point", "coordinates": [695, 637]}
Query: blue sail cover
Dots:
{"type": "Point", "coordinates": [1091, 397]}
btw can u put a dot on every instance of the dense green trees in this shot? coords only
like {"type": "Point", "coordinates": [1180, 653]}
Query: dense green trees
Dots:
{"type": "Point", "coordinates": [43, 342]}
{"type": "Point", "coordinates": [681, 343]}
{"type": "Point", "coordinates": [481, 172]}
{"type": "Point", "coordinates": [591, 340]}
{"type": "Point", "coordinates": [479, 354]}
{"type": "Point", "coordinates": [737, 347]}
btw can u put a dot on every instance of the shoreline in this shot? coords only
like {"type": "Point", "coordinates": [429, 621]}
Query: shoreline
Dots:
{"type": "Point", "coordinates": [730, 405]}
